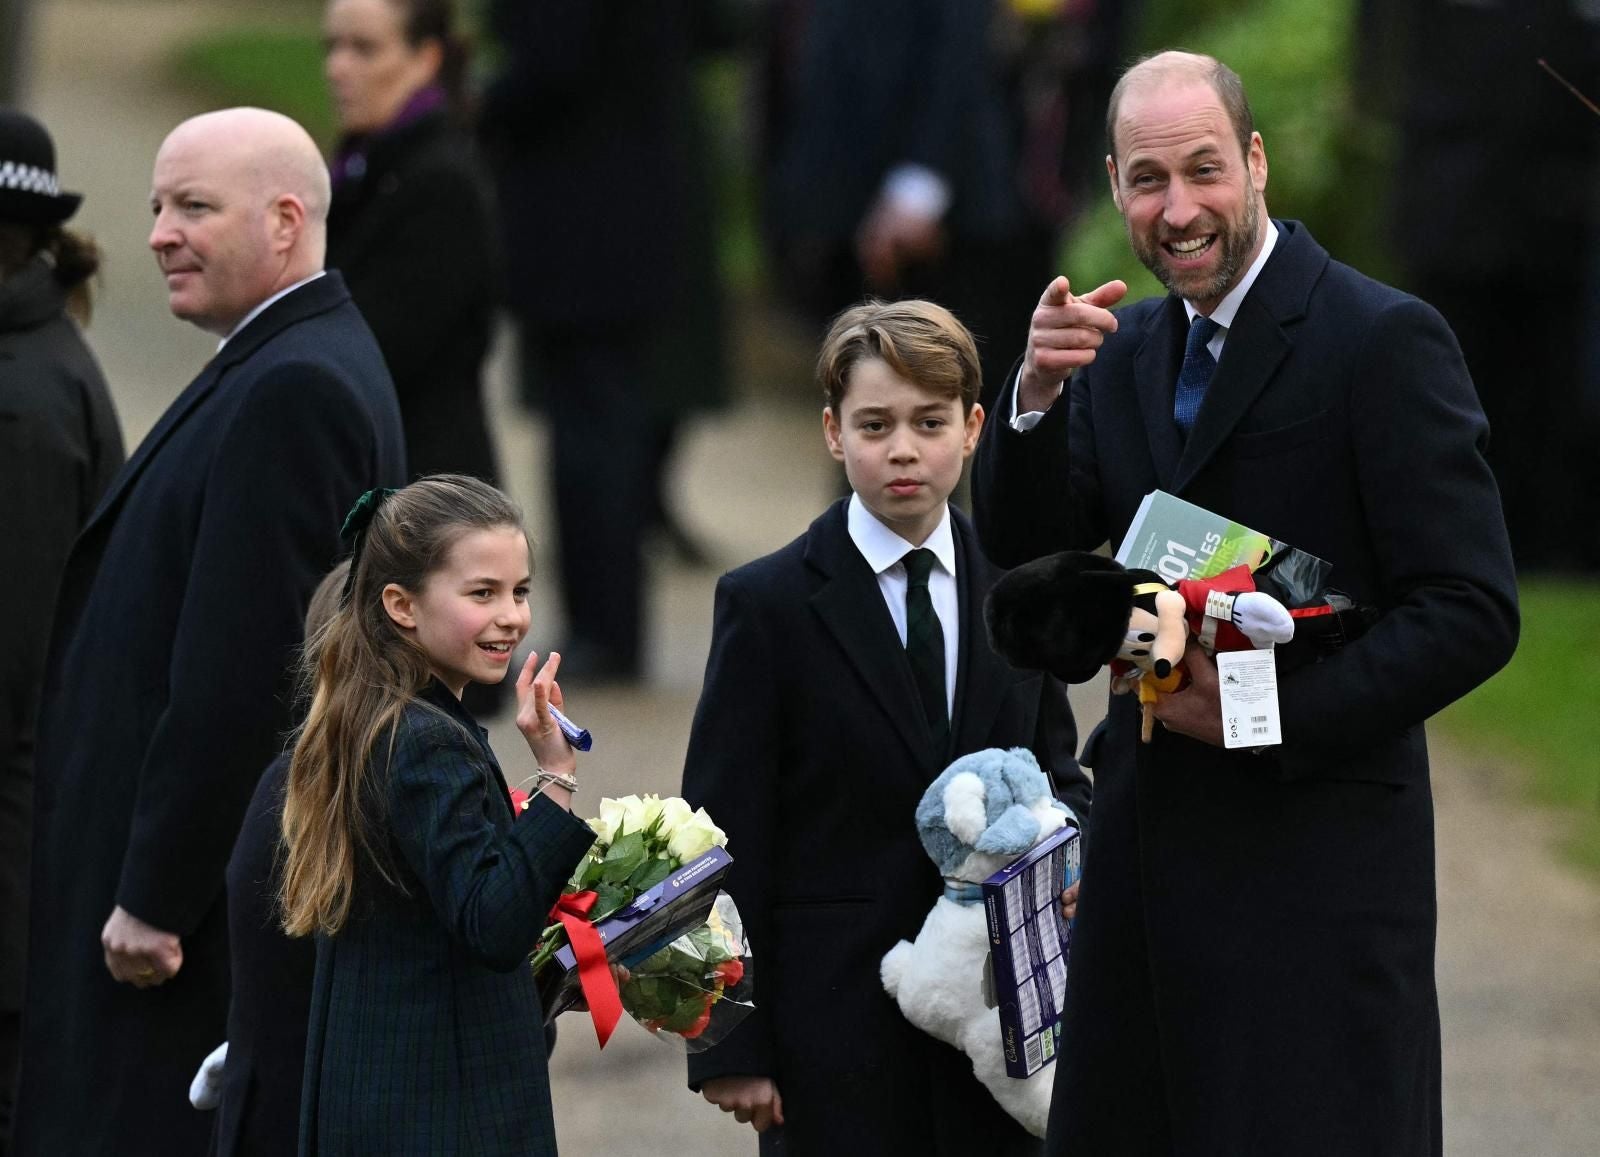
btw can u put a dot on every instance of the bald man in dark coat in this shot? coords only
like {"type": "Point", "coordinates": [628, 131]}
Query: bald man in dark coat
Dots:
{"type": "Point", "coordinates": [179, 615]}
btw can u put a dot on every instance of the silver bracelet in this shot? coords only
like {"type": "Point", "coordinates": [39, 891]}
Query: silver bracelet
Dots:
{"type": "Point", "coordinates": [566, 782]}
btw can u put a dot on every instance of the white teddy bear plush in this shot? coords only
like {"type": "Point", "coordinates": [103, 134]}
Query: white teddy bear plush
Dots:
{"type": "Point", "coordinates": [983, 811]}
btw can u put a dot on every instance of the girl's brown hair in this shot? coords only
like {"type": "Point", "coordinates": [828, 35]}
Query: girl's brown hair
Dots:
{"type": "Point", "coordinates": [360, 672]}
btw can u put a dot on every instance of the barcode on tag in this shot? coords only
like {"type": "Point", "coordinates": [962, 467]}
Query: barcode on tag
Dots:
{"type": "Point", "coordinates": [1033, 1052]}
{"type": "Point", "coordinates": [1028, 1003]}
{"type": "Point", "coordinates": [1247, 691]}
{"type": "Point", "coordinates": [1020, 964]}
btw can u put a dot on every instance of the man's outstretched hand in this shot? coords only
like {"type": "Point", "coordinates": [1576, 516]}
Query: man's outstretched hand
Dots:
{"type": "Point", "coordinates": [1065, 333]}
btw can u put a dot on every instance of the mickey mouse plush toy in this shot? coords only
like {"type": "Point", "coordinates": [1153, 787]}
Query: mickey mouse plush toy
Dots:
{"type": "Point", "coordinates": [1073, 612]}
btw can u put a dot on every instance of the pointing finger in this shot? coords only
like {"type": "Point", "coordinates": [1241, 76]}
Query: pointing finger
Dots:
{"type": "Point", "coordinates": [1058, 292]}
{"type": "Point", "coordinates": [1107, 295]}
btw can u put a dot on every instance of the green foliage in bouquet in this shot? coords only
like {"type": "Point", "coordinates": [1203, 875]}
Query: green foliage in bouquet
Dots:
{"type": "Point", "coordinates": [674, 990]}
{"type": "Point", "coordinates": [695, 987]}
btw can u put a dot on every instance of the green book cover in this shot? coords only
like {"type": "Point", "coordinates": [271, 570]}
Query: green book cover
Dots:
{"type": "Point", "coordinates": [1179, 540]}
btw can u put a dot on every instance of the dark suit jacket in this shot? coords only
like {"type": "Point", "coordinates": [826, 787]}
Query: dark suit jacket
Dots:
{"type": "Point", "coordinates": [181, 609]}
{"type": "Point", "coordinates": [809, 748]}
{"type": "Point", "coordinates": [414, 237]}
{"type": "Point", "coordinates": [59, 447]}
{"type": "Point", "coordinates": [259, 1114]}
{"type": "Point", "coordinates": [426, 1033]}
{"type": "Point", "coordinates": [1253, 957]}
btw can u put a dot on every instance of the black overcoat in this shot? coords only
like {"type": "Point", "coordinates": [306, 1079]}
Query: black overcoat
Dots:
{"type": "Point", "coordinates": [810, 750]}
{"type": "Point", "coordinates": [1253, 960]}
{"type": "Point", "coordinates": [270, 998]}
{"type": "Point", "coordinates": [60, 445]}
{"type": "Point", "coordinates": [168, 691]}
{"type": "Point", "coordinates": [426, 1033]}
{"type": "Point", "coordinates": [414, 236]}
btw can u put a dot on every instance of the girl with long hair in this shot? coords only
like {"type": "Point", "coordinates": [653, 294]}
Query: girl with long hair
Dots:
{"type": "Point", "coordinates": [403, 855]}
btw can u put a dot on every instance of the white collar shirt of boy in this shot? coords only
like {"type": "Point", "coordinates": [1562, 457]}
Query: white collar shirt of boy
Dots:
{"type": "Point", "coordinates": [883, 549]}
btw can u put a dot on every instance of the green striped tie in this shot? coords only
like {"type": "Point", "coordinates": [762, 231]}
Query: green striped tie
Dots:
{"type": "Point", "coordinates": [925, 646]}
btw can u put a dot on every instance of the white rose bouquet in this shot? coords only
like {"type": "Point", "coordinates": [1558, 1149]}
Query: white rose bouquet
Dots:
{"type": "Point", "coordinates": [647, 885]}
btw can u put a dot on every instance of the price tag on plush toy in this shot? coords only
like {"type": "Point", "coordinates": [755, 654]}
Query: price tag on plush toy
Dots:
{"type": "Point", "coordinates": [1247, 684]}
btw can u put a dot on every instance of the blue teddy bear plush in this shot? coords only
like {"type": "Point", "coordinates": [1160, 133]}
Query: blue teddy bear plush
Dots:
{"type": "Point", "coordinates": [980, 814]}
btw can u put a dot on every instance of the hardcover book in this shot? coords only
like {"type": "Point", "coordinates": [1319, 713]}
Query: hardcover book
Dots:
{"type": "Point", "coordinates": [655, 919]}
{"type": "Point", "coordinates": [1029, 944]}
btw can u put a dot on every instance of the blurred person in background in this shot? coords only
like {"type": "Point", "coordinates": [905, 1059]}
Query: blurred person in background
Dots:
{"type": "Point", "coordinates": [412, 228]}
{"type": "Point", "coordinates": [60, 445]}
{"type": "Point", "coordinates": [593, 135]}
{"type": "Point", "coordinates": [932, 148]}
{"type": "Point", "coordinates": [1498, 201]}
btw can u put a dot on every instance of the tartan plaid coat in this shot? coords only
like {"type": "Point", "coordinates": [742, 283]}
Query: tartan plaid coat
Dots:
{"type": "Point", "coordinates": [426, 1034]}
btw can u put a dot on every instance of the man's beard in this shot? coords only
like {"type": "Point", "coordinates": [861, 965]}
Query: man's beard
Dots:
{"type": "Point", "coordinates": [1235, 243]}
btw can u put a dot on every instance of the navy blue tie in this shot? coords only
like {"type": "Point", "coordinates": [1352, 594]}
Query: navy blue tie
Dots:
{"type": "Point", "coordinates": [925, 645]}
{"type": "Point", "coordinates": [1198, 366]}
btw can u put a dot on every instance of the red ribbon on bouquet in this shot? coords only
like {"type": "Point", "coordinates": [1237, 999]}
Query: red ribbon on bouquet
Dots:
{"type": "Point", "coordinates": [594, 970]}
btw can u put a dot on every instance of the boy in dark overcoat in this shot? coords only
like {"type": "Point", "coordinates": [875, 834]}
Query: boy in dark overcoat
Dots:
{"type": "Point", "coordinates": [846, 671]}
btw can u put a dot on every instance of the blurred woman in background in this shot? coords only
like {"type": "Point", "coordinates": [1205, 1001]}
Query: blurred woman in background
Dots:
{"type": "Point", "coordinates": [410, 226]}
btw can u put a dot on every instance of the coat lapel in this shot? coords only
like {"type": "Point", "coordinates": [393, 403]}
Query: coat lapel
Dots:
{"type": "Point", "coordinates": [1256, 345]}
{"type": "Point", "coordinates": [1155, 375]}
{"type": "Point", "coordinates": [851, 607]}
{"type": "Point", "coordinates": [317, 297]}
{"type": "Point", "coordinates": [982, 679]}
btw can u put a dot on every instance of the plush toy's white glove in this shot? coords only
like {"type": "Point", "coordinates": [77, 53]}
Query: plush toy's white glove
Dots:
{"type": "Point", "coordinates": [1262, 618]}
{"type": "Point", "coordinates": [205, 1091]}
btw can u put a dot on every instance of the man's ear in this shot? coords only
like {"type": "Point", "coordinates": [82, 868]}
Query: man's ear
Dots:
{"type": "Point", "coordinates": [288, 221]}
{"type": "Point", "coordinates": [1111, 172]}
{"type": "Point", "coordinates": [831, 434]}
{"type": "Point", "coordinates": [400, 606]}
{"type": "Point", "coordinates": [1258, 163]}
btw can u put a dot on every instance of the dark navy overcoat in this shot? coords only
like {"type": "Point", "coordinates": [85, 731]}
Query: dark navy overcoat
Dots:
{"type": "Point", "coordinates": [1252, 969]}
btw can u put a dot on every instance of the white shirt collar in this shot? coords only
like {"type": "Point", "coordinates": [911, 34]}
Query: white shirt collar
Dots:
{"type": "Point", "coordinates": [882, 547]}
{"type": "Point", "coordinates": [1228, 307]}
{"type": "Point", "coordinates": [260, 309]}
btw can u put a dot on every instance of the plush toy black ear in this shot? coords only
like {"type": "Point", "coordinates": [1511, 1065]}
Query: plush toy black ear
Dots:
{"type": "Point", "coordinates": [1065, 613]}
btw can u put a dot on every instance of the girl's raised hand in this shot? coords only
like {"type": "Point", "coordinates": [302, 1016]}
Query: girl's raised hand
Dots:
{"type": "Point", "coordinates": [536, 691]}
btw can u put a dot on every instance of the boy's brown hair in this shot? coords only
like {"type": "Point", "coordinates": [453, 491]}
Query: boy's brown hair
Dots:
{"type": "Point", "coordinates": [920, 341]}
